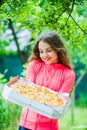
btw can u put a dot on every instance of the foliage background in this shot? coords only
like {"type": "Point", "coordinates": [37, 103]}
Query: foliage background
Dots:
{"type": "Point", "coordinates": [67, 17]}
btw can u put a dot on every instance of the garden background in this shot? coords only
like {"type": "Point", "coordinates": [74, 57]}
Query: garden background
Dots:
{"type": "Point", "coordinates": [21, 21]}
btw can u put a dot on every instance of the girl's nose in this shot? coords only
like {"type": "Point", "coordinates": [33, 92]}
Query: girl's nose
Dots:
{"type": "Point", "coordinates": [45, 54]}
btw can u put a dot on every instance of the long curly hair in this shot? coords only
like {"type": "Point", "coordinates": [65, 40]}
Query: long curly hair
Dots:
{"type": "Point", "coordinates": [54, 40]}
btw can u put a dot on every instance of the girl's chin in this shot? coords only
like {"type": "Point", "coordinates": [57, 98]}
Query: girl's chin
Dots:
{"type": "Point", "coordinates": [47, 62]}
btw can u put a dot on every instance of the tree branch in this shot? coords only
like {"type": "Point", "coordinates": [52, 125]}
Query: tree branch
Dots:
{"type": "Point", "coordinates": [80, 78]}
{"type": "Point", "coordinates": [73, 2]}
{"type": "Point", "coordinates": [16, 42]}
{"type": "Point", "coordinates": [78, 25]}
{"type": "Point", "coordinates": [62, 13]}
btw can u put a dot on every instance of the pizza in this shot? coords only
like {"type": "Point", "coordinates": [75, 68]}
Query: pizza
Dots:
{"type": "Point", "coordinates": [38, 93]}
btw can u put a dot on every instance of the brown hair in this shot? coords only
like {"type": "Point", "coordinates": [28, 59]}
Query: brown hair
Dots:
{"type": "Point", "coordinates": [54, 40]}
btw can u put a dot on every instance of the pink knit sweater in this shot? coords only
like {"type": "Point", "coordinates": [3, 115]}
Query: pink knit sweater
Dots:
{"type": "Point", "coordinates": [54, 76]}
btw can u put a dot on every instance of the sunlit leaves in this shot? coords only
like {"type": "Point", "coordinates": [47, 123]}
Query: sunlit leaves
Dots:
{"type": "Point", "coordinates": [2, 78]}
{"type": "Point", "coordinates": [64, 16]}
{"type": "Point", "coordinates": [42, 3]}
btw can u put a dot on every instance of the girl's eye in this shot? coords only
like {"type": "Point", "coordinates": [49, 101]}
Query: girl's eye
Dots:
{"type": "Point", "coordinates": [49, 50]}
{"type": "Point", "coordinates": [41, 51]}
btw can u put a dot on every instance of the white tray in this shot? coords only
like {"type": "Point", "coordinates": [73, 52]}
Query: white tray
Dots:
{"type": "Point", "coordinates": [51, 112]}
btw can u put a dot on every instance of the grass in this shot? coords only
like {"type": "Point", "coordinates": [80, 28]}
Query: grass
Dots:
{"type": "Point", "coordinates": [80, 120]}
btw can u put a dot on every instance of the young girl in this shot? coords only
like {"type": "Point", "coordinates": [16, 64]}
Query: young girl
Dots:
{"type": "Point", "coordinates": [50, 67]}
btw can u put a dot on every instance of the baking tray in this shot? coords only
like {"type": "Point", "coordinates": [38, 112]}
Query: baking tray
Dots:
{"type": "Point", "coordinates": [43, 109]}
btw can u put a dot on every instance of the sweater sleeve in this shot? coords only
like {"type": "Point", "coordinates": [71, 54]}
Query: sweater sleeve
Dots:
{"type": "Point", "coordinates": [30, 72]}
{"type": "Point", "coordinates": [68, 82]}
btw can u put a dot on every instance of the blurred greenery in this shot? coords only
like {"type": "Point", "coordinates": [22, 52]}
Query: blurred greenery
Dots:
{"type": "Point", "coordinates": [80, 122]}
{"type": "Point", "coordinates": [2, 78]}
{"type": "Point", "coordinates": [69, 19]}
{"type": "Point", "coordinates": [9, 113]}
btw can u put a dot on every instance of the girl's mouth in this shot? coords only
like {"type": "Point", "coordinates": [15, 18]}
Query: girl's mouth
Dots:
{"type": "Point", "coordinates": [46, 60]}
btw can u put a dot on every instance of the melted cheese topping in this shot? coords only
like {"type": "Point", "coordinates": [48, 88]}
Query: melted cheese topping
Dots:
{"type": "Point", "coordinates": [39, 93]}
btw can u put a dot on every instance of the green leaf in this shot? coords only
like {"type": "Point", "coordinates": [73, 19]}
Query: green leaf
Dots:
{"type": "Point", "coordinates": [43, 2]}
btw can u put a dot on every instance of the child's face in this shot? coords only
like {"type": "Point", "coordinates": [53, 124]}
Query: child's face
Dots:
{"type": "Point", "coordinates": [47, 54]}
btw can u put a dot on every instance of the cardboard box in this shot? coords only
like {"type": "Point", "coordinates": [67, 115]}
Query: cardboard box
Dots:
{"type": "Point", "coordinates": [51, 112]}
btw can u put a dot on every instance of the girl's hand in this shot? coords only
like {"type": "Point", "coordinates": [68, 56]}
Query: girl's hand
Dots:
{"type": "Point", "coordinates": [13, 80]}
